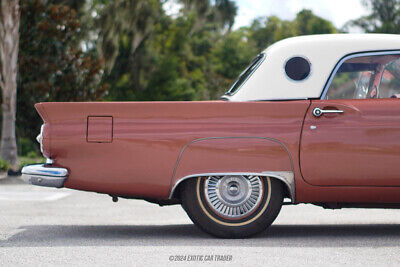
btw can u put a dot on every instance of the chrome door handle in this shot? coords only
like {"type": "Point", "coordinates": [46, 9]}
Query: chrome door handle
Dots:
{"type": "Point", "coordinates": [317, 112]}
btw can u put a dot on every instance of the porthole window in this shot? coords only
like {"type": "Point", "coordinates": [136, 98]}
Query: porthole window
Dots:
{"type": "Point", "coordinates": [297, 68]}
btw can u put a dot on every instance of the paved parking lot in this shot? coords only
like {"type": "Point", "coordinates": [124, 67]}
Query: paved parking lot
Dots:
{"type": "Point", "coordinates": [47, 227]}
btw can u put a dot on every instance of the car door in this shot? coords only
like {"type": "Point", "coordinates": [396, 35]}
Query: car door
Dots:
{"type": "Point", "coordinates": [351, 137]}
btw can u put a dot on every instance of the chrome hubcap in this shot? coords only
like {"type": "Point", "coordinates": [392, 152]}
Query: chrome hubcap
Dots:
{"type": "Point", "coordinates": [233, 196]}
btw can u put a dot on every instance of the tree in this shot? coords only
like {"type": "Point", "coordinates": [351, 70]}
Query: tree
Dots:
{"type": "Point", "coordinates": [266, 31]}
{"type": "Point", "coordinates": [9, 43]}
{"type": "Point", "coordinates": [221, 12]}
{"type": "Point", "coordinates": [229, 58]}
{"type": "Point", "coordinates": [384, 17]}
{"type": "Point", "coordinates": [132, 19]}
{"type": "Point", "coordinates": [306, 23]}
{"type": "Point", "coordinates": [173, 56]}
{"type": "Point", "coordinates": [52, 64]}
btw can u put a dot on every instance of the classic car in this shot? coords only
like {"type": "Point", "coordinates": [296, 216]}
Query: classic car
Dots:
{"type": "Point", "coordinates": [313, 119]}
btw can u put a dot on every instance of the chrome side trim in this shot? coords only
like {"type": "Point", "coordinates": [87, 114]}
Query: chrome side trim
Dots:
{"type": "Point", "coordinates": [287, 177]}
{"type": "Point", "coordinates": [44, 175]}
{"type": "Point", "coordinates": [361, 54]}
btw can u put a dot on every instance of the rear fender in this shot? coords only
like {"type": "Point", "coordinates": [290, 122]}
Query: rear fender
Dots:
{"type": "Point", "coordinates": [234, 156]}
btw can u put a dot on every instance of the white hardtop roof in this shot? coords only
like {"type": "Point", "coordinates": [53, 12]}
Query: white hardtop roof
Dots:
{"type": "Point", "coordinates": [269, 81]}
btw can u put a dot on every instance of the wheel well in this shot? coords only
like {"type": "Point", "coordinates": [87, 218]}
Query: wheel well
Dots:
{"type": "Point", "coordinates": [176, 194]}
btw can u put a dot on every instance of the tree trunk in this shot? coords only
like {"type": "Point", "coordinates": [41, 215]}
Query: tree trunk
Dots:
{"type": "Point", "coordinates": [9, 42]}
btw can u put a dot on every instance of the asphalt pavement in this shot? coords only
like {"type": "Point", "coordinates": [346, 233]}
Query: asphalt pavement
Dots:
{"type": "Point", "coordinates": [62, 227]}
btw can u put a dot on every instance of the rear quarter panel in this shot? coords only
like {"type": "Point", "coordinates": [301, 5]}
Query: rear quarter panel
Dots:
{"type": "Point", "coordinates": [148, 138]}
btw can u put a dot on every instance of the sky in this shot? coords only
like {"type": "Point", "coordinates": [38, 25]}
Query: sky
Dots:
{"type": "Point", "coordinates": [337, 11]}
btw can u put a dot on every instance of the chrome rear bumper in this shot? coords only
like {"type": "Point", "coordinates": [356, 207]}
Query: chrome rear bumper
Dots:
{"type": "Point", "coordinates": [44, 175]}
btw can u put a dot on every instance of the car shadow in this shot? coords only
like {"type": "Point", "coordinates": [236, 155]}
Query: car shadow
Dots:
{"type": "Point", "coordinates": [189, 235]}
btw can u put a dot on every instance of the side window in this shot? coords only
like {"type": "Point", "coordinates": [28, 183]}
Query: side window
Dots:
{"type": "Point", "coordinates": [246, 74]}
{"type": "Point", "coordinates": [390, 83]}
{"type": "Point", "coordinates": [367, 77]}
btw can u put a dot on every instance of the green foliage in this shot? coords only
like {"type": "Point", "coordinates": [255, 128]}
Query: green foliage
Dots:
{"type": "Point", "coordinates": [4, 165]}
{"type": "Point", "coordinates": [52, 64]}
{"type": "Point", "coordinates": [23, 161]}
{"type": "Point", "coordinates": [306, 23]}
{"type": "Point", "coordinates": [27, 146]}
{"type": "Point", "coordinates": [221, 13]}
{"type": "Point", "coordinates": [120, 20]}
{"type": "Point", "coordinates": [232, 54]}
{"type": "Point", "coordinates": [384, 18]}
{"type": "Point", "coordinates": [173, 59]}
{"type": "Point", "coordinates": [32, 155]}
{"type": "Point", "coordinates": [266, 31]}
{"type": "Point", "coordinates": [229, 58]}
